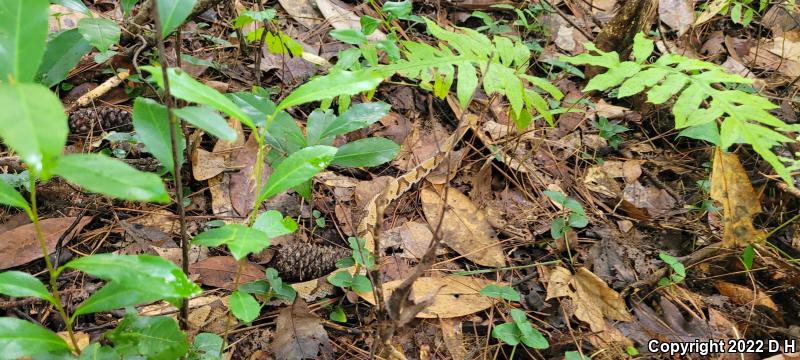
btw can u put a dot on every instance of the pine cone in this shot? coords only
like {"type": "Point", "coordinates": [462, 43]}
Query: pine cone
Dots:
{"type": "Point", "coordinates": [104, 118]}
{"type": "Point", "coordinates": [302, 261]}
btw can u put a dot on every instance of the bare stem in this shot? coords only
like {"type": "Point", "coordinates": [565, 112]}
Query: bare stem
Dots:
{"type": "Point", "coordinates": [176, 164]}
{"type": "Point", "coordinates": [236, 279]}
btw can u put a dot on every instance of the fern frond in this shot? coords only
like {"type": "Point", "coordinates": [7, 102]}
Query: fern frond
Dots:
{"type": "Point", "coordinates": [703, 102]}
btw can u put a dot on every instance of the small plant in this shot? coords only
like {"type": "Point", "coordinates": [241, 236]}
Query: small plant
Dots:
{"type": "Point", "coordinates": [500, 292]}
{"type": "Point", "coordinates": [362, 259]}
{"type": "Point", "coordinates": [576, 218]}
{"type": "Point", "coordinates": [319, 220]}
{"type": "Point", "coordinates": [519, 331]}
{"type": "Point", "coordinates": [528, 19]}
{"type": "Point", "coordinates": [677, 270]}
{"type": "Point", "coordinates": [704, 109]}
{"type": "Point", "coordinates": [741, 11]}
{"type": "Point", "coordinates": [747, 257]}
{"type": "Point", "coordinates": [610, 131]}
{"type": "Point", "coordinates": [490, 25]}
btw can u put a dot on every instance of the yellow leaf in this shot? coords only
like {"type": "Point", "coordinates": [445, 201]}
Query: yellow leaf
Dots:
{"type": "Point", "coordinates": [731, 187]}
{"type": "Point", "coordinates": [592, 299]}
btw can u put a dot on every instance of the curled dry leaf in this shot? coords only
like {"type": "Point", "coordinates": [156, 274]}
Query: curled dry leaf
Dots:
{"type": "Point", "coordinates": [412, 237]}
{"type": "Point", "coordinates": [19, 245]}
{"type": "Point", "coordinates": [464, 227]}
{"type": "Point", "coordinates": [220, 271]}
{"type": "Point", "coordinates": [731, 187]}
{"type": "Point", "coordinates": [206, 313]}
{"type": "Point", "coordinates": [592, 299]}
{"type": "Point", "coordinates": [299, 334]}
{"type": "Point", "coordinates": [206, 164]}
{"type": "Point", "coordinates": [744, 295]}
{"type": "Point", "coordinates": [454, 295]}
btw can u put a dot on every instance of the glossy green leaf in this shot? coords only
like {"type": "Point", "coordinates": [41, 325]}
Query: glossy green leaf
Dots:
{"type": "Point", "coordinates": [318, 121]}
{"type": "Point", "coordinates": [256, 107]}
{"type": "Point", "coordinates": [371, 151]}
{"type": "Point", "coordinates": [507, 333]}
{"type": "Point", "coordinates": [23, 35]}
{"type": "Point", "coordinates": [273, 224]}
{"type": "Point", "coordinates": [500, 292]}
{"type": "Point", "coordinates": [398, 9]}
{"type": "Point", "coordinates": [117, 296]}
{"type": "Point", "coordinates": [359, 116]}
{"type": "Point", "coordinates": [152, 124]}
{"type": "Point", "coordinates": [338, 314]}
{"type": "Point", "coordinates": [173, 13]}
{"type": "Point", "coordinates": [208, 120]}
{"type": "Point", "coordinates": [100, 33]}
{"type": "Point", "coordinates": [19, 338]}
{"type": "Point", "coordinates": [369, 24]}
{"type": "Point", "coordinates": [156, 337]}
{"type": "Point", "coordinates": [297, 168]}
{"type": "Point", "coordinates": [21, 284]}
{"type": "Point", "coordinates": [341, 279]}
{"type": "Point", "coordinates": [241, 240]}
{"type": "Point", "coordinates": [153, 273]}
{"type": "Point", "coordinates": [95, 351]}
{"type": "Point", "coordinates": [184, 87]}
{"type": "Point", "coordinates": [206, 346]}
{"type": "Point", "coordinates": [104, 175]}
{"type": "Point", "coordinates": [63, 52]}
{"type": "Point", "coordinates": [284, 136]}
{"type": "Point", "coordinates": [244, 306]}
{"type": "Point", "coordinates": [335, 83]}
{"type": "Point", "coordinates": [76, 5]}
{"type": "Point", "coordinates": [9, 196]}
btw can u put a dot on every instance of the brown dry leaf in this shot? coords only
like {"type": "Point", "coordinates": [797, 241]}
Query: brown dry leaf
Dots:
{"type": "Point", "coordinates": [161, 219]}
{"type": "Point", "coordinates": [206, 313]}
{"type": "Point", "coordinates": [19, 245]}
{"type": "Point", "coordinates": [303, 11]}
{"type": "Point", "coordinates": [341, 18]}
{"type": "Point", "coordinates": [593, 300]}
{"type": "Point", "coordinates": [597, 180]}
{"type": "Point", "coordinates": [793, 356]}
{"type": "Point", "coordinates": [299, 334]}
{"type": "Point", "coordinates": [81, 337]}
{"type": "Point", "coordinates": [314, 289]}
{"type": "Point", "coordinates": [609, 111]}
{"type": "Point", "coordinates": [243, 182]}
{"type": "Point", "coordinates": [175, 254]}
{"type": "Point", "coordinates": [731, 187]}
{"type": "Point", "coordinates": [656, 201]}
{"type": "Point", "coordinates": [206, 164]}
{"type": "Point", "coordinates": [677, 14]}
{"type": "Point", "coordinates": [221, 195]}
{"type": "Point", "coordinates": [712, 10]}
{"type": "Point", "coordinates": [413, 237]}
{"type": "Point", "coordinates": [779, 54]}
{"type": "Point", "coordinates": [66, 19]}
{"type": "Point", "coordinates": [220, 271]}
{"type": "Point", "coordinates": [421, 144]}
{"type": "Point", "coordinates": [743, 295]}
{"type": "Point", "coordinates": [453, 338]}
{"type": "Point", "coordinates": [464, 227]}
{"type": "Point", "coordinates": [456, 296]}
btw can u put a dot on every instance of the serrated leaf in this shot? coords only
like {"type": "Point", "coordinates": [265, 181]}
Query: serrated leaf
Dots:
{"type": "Point", "coordinates": [173, 13]}
{"type": "Point", "coordinates": [104, 175]}
{"type": "Point", "coordinates": [100, 33]}
{"type": "Point", "coordinates": [367, 152]}
{"type": "Point", "coordinates": [208, 120]}
{"type": "Point", "coordinates": [19, 339]}
{"type": "Point", "coordinates": [604, 59]}
{"type": "Point", "coordinates": [9, 196]}
{"type": "Point", "coordinates": [63, 52]}
{"type": "Point", "coordinates": [241, 240]}
{"type": "Point", "coordinates": [336, 83]}
{"type": "Point", "coordinates": [297, 168]}
{"type": "Point", "coordinates": [23, 35]}
{"type": "Point", "coordinates": [244, 306]}
{"type": "Point", "coordinates": [21, 284]}
{"type": "Point", "coordinates": [33, 124]}
{"type": "Point", "coordinates": [688, 102]}
{"type": "Point", "coordinates": [152, 124]}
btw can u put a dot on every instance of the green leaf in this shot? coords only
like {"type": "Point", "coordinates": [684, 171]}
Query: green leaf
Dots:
{"type": "Point", "coordinates": [283, 44]}
{"type": "Point", "coordinates": [371, 151]}
{"type": "Point", "coordinates": [613, 77]}
{"type": "Point", "coordinates": [341, 279]}
{"type": "Point", "coordinates": [529, 336]}
{"type": "Point", "coordinates": [95, 351]}
{"type": "Point", "coordinates": [206, 346]}
{"type": "Point", "coordinates": [157, 337]}
{"type": "Point", "coordinates": [558, 228]}
{"type": "Point", "coordinates": [9, 196]}
{"type": "Point", "coordinates": [104, 175]}
{"type": "Point", "coordinates": [689, 100]}
{"type": "Point", "coordinates": [33, 123]}
{"type": "Point", "coordinates": [747, 257]}
{"type": "Point", "coordinates": [361, 254]}
{"type": "Point", "coordinates": [642, 48]}
{"type": "Point", "coordinates": [21, 284]}
{"type": "Point", "coordinates": [152, 124]}
{"type": "Point", "coordinates": [116, 296]}
{"type": "Point", "coordinates": [318, 121]}
{"type": "Point", "coordinates": [273, 224]}
{"type": "Point", "coordinates": [707, 131]}
{"type": "Point", "coordinates": [361, 284]}
{"type": "Point", "coordinates": [467, 83]}
{"type": "Point", "coordinates": [127, 6]}
{"type": "Point", "coordinates": [19, 338]}
{"type": "Point", "coordinates": [173, 13]}
{"type": "Point", "coordinates": [76, 5]}
{"type": "Point", "coordinates": [208, 120]}
{"type": "Point", "coordinates": [500, 292]}
{"type": "Point", "coordinates": [244, 306]}
{"type": "Point", "coordinates": [182, 86]}
{"type": "Point", "coordinates": [359, 116]}
{"type": "Point", "coordinates": [101, 33]}
{"type": "Point", "coordinates": [369, 24]}
{"type": "Point", "coordinates": [573, 355]}
{"type": "Point", "coordinates": [645, 79]}
{"type": "Point", "coordinates": [241, 240]}
{"type": "Point", "coordinates": [23, 35]}
{"type": "Point", "coordinates": [507, 333]}
{"type": "Point", "coordinates": [153, 273]}
{"type": "Point", "coordinates": [349, 36]}
{"type": "Point", "coordinates": [61, 55]}
{"type": "Point", "coordinates": [397, 9]}
{"type": "Point", "coordinates": [279, 288]}
{"type": "Point", "coordinates": [338, 314]}
{"type": "Point", "coordinates": [336, 83]}
{"type": "Point", "coordinates": [297, 168]}
{"type": "Point", "coordinates": [673, 84]}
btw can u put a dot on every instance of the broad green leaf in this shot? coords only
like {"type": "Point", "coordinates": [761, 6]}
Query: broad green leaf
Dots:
{"type": "Point", "coordinates": [319, 121]}
{"type": "Point", "coordinates": [283, 44]}
{"type": "Point", "coordinates": [153, 273]}
{"type": "Point", "coordinates": [76, 5]}
{"type": "Point", "coordinates": [688, 102]}
{"type": "Point", "coordinates": [208, 120]}
{"type": "Point", "coordinates": [173, 13]}
{"type": "Point", "coordinates": [573, 355]}
{"type": "Point", "coordinates": [644, 79]}
{"type": "Point", "coordinates": [500, 292]}
{"type": "Point", "coordinates": [241, 240]}
{"type": "Point", "coordinates": [19, 338]}
{"type": "Point", "coordinates": [61, 55]}
{"type": "Point", "coordinates": [367, 152]}
{"type": "Point", "coordinates": [361, 284]}
{"type": "Point", "coordinates": [467, 83]}
{"type": "Point", "coordinates": [673, 84]}
{"type": "Point", "coordinates": [338, 314]}
{"type": "Point", "coordinates": [642, 48]}
{"type": "Point", "coordinates": [23, 35]}
{"type": "Point", "coordinates": [21, 284]}
{"type": "Point", "coordinates": [244, 306]}
{"type": "Point", "coordinates": [707, 132]}
{"type": "Point", "coordinates": [279, 288]}
{"type": "Point", "coordinates": [613, 77]}
{"type": "Point", "coordinates": [349, 36]}
{"type": "Point", "coordinates": [9, 196]}
{"type": "Point", "coordinates": [116, 296]}
{"type": "Point", "coordinates": [529, 336]}
{"type": "Point", "coordinates": [284, 136]}
{"type": "Point", "coordinates": [95, 351]}
{"type": "Point", "coordinates": [397, 9]}
{"type": "Point", "coordinates": [359, 116]}
{"type": "Point", "coordinates": [361, 254]}
{"type": "Point", "coordinates": [156, 337]}
{"type": "Point", "coordinates": [341, 279]}
{"type": "Point", "coordinates": [335, 83]}
{"type": "Point", "coordinates": [369, 24]}
{"type": "Point", "coordinates": [33, 123]}
{"type": "Point", "coordinates": [101, 33]}
{"type": "Point", "coordinates": [258, 108]}
{"type": "Point", "coordinates": [273, 224]}
{"type": "Point", "coordinates": [507, 333]}
{"type": "Point", "coordinates": [182, 86]}
{"type": "Point", "coordinates": [152, 124]}
{"type": "Point", "coordinates": [605, 59]}
{"type": "Point", "coordinates": [206, 346]}
{"type": "Point", "coordinates": [104, 175]}
{"type": "Point", "coordinates": [127, 6]}
{"type": "Point", "coordinates": [558, 228]}
{"type": "Point", "coordinates": [297, 168]}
